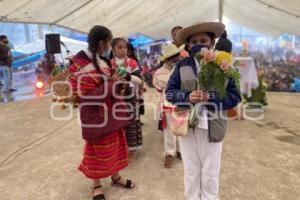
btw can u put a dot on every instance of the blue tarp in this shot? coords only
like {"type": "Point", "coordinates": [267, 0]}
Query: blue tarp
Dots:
{"type": "Point", "coordinates": [29, 59]}
{"type": "Point", "coordinates": [296, 85]}
{"type": "Point", "coordinates": [17, 53]}
{"type": "Point", "coordinates": [139, 39]}
{"type": "Point", "coordinates": [79, 37]}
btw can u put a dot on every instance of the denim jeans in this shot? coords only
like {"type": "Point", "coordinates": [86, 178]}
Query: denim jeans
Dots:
{"type": "Point", "coordinates": [7, 78]}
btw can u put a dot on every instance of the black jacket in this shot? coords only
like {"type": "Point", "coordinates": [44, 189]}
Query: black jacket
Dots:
{"type": "Point", "coordinates": [5, 57]}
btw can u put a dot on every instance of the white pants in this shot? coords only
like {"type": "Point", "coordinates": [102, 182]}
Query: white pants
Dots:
{"type": "Point", "coordinates": [171, 146]}
{"type": "Point", "coordinates": [202, 162]}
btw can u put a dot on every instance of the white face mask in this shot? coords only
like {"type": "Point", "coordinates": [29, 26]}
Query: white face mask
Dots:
{"type": "Point", "coordinates": [120, 61]}
{"type": "Point", "coordinates": [106, 53]}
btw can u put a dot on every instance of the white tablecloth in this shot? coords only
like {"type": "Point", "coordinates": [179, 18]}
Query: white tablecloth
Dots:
{"type": "Point", "coordinates": [249, 80]}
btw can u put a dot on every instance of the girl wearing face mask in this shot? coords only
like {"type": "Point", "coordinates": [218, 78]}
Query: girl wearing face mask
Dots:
{"type": "Point", "coordinates": [202, 146]}
{"type": "Point", "coordinates": [133, 130]}
{"type": "Point", "coordinates": [171, 55]}
{"type": "Point", "coordinates": [92, 79]}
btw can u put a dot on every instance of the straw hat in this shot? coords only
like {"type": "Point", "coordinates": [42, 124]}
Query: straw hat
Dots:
{"type": "Point", "coordinates": [200, 27]}
{"type": "Point", "coordinates": [170, 50]}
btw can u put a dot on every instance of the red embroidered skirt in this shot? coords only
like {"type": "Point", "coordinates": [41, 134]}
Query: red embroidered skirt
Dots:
{"type": "Point", "coordinates": [105, 157]}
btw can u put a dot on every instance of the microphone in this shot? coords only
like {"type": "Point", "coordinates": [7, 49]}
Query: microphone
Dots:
{"type": "Point", "coordinates": [63, 44]}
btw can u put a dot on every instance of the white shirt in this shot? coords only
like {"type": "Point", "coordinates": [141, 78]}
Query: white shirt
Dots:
{"type": "Point", "coordinates": [202, 110]}
{"type": "Point", "coordinates": [120, 61]}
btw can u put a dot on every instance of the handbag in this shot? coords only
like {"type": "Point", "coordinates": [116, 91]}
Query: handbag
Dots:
{"type": "Point", "coordinates": [178, 122]}
{"type": "Point", "coordinates": [100, 121]}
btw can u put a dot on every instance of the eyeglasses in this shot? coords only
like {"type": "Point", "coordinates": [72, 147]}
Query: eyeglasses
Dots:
{"type": "Point", "coordinates": [6, 42]}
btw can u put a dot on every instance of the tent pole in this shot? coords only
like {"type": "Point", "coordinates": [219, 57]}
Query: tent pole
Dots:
{"type": "Point", "coordinates": [221, 10]}
{"type": "Point", "coordinates": [293, 41]}
{"type": "Point", "coordinates": [51, 28]}
{"type": "Point", "coordinates": [27, 33]}
{"type": "Point", "coordinates": [40, 29]}
{"type": "Point", "coordinates": [138, 53]}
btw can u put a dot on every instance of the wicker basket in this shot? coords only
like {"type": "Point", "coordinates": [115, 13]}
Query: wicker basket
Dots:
{"type": "Point", "coordinates": [60, 87]}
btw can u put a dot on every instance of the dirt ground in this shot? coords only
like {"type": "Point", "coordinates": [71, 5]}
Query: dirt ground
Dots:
{"type": "Point", "coordinates": [39, 156]}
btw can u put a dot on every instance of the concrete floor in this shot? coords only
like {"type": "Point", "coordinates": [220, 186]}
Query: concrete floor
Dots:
{"type": "Point", "coordinates": [39, 156]}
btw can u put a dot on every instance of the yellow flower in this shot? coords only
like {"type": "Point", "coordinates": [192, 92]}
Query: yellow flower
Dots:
{"type": "Point", "coordinates": [224, 57]}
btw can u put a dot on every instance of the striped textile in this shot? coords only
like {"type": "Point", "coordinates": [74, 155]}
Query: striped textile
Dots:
{"type": "Point", "coordinates": [106, 157]}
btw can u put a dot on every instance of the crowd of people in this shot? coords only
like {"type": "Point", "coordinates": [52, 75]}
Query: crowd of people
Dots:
{"type": "Point", "coordinates": [279, 74]}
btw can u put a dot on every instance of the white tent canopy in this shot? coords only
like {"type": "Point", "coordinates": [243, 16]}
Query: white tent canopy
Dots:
{"type": "Point", "coordinates": [154, 18]}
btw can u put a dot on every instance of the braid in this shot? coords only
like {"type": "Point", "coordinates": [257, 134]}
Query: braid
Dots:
{"type": "Point", "coordinates": [95, 62]}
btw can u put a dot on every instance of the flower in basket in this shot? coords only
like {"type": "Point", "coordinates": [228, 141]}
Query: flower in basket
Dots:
{"type": "Point", "coordinates": [216, 68]}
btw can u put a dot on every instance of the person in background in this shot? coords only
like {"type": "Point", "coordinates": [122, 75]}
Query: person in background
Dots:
{"type": "Point", "coordinates": [133, 131]}
{"type": "Point", "coordinates": [48, 63]}
{"type": "Point", "coordinates": [183, 53]}
{"type": "Point", "coordinates": [171, 55]}
{"type": "Point", "coordinates": [131, 54]}
{"type": "Point", "coordinates": [201, 148]}
{"type": "Point", "coordinates": [6, 60]}
{"type": "Point", "coordinates": [173, 34]}
{"type": "Point", "coordinates": [224, 44]}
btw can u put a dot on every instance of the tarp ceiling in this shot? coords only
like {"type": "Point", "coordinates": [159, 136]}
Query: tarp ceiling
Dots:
{"type": "Point", "coordinates": [154, 18]}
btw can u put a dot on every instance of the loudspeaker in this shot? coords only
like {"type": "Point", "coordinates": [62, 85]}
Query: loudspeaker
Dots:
{"type": "Point", "coordinates": [52, 43]}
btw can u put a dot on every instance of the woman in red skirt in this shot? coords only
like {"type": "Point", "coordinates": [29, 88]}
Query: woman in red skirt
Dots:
{"type": "Point", "coordinates": [105, 153]}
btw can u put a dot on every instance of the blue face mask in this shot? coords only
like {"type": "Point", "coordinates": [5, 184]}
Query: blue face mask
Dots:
{"type": "Point", "coordinates": [197, 48]}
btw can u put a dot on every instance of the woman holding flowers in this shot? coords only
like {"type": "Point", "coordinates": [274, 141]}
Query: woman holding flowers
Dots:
{"type": "Point", "coordinates": [206, 83]}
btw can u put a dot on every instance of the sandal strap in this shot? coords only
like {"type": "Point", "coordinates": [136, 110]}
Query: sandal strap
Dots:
{"type": "Point", "coordinates": [99, 197]}
{"type": "Point", "coordinates": [97, 187]}
{"type": "Point", "coordinates": [116, 181]}
{"type": "Point", "coordinates": [128, 184]}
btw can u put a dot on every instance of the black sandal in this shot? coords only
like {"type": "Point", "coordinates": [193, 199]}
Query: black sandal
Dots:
{"type": "Point", "coordinates": [98, 196]}
{"type": "Point", "coordinates": [128, 184]}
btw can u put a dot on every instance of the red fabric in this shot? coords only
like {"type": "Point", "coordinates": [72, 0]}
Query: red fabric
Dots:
{"type": "Point", "coordinates": [93, 116]}
{"type": "Point", "coordinates": [88, 82]}
{"type": "Point", "coordinates": [164, 121]}
{"type": "Point", "coordinates": [105, 157]}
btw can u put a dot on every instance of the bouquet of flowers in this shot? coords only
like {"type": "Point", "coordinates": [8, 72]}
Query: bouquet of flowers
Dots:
{"type": "Point", "coordinates": [216, 68]}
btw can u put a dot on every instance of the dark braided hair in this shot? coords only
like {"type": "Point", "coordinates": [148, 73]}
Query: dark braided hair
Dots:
{"type": "Point", "coordinates": [98, 33]}
{"type": "Point", "coordinates": [115, 41]}
{"type": "Point", "coordinates": [131, 52]}
{"type": "Point", "coordinates": [224, 44]}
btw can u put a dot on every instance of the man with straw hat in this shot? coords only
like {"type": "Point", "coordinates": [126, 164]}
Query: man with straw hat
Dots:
{"type": "Point", "coordinates": [171, 55]}
{"type": "Point", "coordinates": [201, 147]}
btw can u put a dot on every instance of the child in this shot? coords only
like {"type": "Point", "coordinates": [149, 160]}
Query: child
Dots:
{"type": "Point", "coordinates": [201, 148]}
{"type": "Point", "coordinates": [133, 130]}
